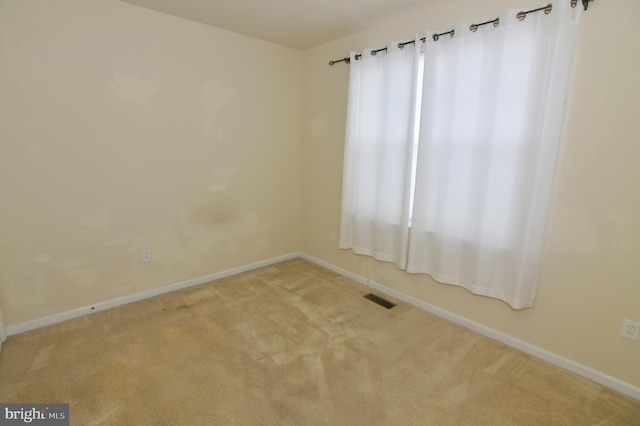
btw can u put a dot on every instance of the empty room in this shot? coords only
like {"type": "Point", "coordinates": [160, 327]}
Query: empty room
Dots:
{"type": "Point", "coordinates": [371, 212]}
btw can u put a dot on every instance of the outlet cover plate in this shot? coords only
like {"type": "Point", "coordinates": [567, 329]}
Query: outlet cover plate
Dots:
{"type": "Point", "coordinates": [630, 329]}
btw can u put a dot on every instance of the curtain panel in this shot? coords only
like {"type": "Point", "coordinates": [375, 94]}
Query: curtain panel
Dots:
{"type": "Point", "coordinates": [379, 153]}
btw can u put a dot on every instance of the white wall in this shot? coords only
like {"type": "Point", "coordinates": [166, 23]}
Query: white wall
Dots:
{"type": "Point", "coordinates": [589, 280]}
{"type": "Point", "coordinates": [123, 129]}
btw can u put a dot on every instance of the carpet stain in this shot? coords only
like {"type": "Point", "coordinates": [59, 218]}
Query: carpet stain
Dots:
{"type": "Point", "coordinates": [44, 358]}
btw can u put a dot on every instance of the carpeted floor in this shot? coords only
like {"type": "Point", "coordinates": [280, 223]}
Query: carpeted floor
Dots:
{"type": "Point", "coordinates": [291, 344]}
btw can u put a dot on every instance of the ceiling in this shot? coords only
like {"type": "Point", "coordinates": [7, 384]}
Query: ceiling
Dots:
{"type": "Point", "coordinates": [299, 24]}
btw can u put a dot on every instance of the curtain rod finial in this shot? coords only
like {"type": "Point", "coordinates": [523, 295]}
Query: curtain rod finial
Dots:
{"type": "Point", "coordinates": [585, 3]}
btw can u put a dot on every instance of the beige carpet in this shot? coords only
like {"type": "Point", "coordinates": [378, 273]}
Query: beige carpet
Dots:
{"type": "Point", "coordinates": [291, 344]}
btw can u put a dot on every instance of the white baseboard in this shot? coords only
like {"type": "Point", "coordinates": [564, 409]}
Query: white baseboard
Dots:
{"type": "Point", "coordinates": [101, 306]}
{"type": "Point", "coordinates": [555, 359]}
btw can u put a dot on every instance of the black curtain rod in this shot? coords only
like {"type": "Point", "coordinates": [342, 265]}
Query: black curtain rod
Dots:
{"type": "Point", "coordinates": [473, 27]}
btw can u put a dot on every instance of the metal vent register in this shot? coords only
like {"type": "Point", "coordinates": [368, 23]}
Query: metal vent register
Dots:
{"type": "Point", "coordinates": [380, 301]}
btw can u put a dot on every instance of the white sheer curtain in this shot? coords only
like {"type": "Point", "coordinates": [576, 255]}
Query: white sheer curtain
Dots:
{"type": "Point", "coordinates": [470, 207]}
{"type": "Point", "coordinates": [492, 113]}
{"type": "Point", "coordinates": [378, 164]}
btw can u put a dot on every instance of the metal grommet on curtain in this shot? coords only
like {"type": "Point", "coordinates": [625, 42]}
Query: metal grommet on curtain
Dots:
{"type": "Point", "coordinates": [474, 27]}
{"type": "Point", "coordinates": [404, 43]}
{"type": "Point", "coordinates": [436, 37]}
{"type": "Point", "coordinates": [547, 10]}
{"type": "Point", "coordinates": [375, 52]}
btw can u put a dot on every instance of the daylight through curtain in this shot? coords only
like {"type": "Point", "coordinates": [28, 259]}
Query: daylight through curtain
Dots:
{"type": "Point", "coordinates": [379, 148]}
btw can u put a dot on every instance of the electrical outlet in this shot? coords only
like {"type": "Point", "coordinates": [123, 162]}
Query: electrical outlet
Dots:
{"type": "Point", "coordinates": [332, 236]}
{"type": "Point", "coordinates": [630, 329]}
{"type": "Point", "coordinates": [146, 255]}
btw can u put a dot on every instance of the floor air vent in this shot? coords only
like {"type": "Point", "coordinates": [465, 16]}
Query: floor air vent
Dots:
{"type": "Point", "coordinates": [380, 301]}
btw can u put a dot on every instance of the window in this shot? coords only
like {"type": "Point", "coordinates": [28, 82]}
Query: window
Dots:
{"type": "Point", "coordinates": [450, 151]}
